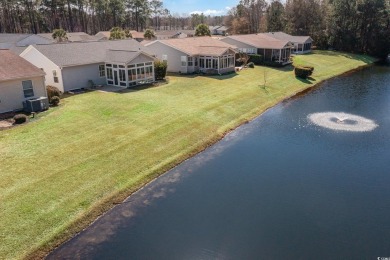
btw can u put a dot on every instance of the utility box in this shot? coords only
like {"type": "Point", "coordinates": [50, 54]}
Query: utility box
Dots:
{"type": "Point", "coordinates": [36, 104]}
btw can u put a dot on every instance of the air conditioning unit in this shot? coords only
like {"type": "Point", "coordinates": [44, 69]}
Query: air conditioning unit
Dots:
{"type": "Point", "coordinates": [36, 104]}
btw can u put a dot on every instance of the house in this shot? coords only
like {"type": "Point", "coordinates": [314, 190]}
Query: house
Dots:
{"type": "Point", "coordinates": [271, 49]}
{"type": "Point", "coordinates": [72, 36]}
{"type": "Point", "coordinates": [302, 44]}
{"type": "Point", "coordinates": [218, 30]}
{"type": "Point", "coordinates": [19, 81]}
{"type": "Point", "coordinates": [18, 42]}
{"type": "Point", "coordinates": [105, 35]}
{"type": "Point", "coordinates": [174, 34]}
{"type": "Point", "coordinates": [70, 66]}
{"type": "Point", "coordinates": [195, 54]}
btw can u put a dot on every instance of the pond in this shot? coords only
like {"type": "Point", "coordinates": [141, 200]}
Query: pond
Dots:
{"type": "Point", "coordinates": [308, 179]}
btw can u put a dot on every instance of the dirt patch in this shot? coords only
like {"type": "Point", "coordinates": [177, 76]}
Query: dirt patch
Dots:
{"type": "Point", "coordinates": [5, 124]}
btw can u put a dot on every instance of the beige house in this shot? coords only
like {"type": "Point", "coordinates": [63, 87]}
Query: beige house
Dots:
{"type": "Point", "coordinates": [271, 49]}
{"type": "Point", "coordinates": [19, 81]}
{"type": "Point", "coordinates": [195, 54]}
{"type": "Point", "coordinates": [302, 44]}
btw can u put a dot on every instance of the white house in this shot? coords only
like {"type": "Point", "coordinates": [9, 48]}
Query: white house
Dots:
{"type": "Point", "coordinates": [77, 65]}
{"type": "Point", "coordinates": [19, 81]}
{"type": "Point", "coordinates": [302, 44]}
{"type": "Point", "coordinates": [271, 49]}
{"type": "Point", "coordinates": [195, 54]}
{"type": "Point", "coordinates": [218, 30]}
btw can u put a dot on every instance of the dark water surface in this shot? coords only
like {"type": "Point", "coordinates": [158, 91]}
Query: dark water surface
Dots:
{"type": "Point", "coordinates": [279, 187]}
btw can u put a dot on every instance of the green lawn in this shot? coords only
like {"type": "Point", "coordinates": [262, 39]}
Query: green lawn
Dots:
{"type": "Point", "coordinates": [59, 172]}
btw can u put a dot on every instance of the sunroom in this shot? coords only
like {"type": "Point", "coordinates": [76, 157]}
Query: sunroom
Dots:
{"type": "Point", "coordinates": [128, 68]}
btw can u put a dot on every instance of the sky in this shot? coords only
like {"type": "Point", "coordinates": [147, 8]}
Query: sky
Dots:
{"type": "Point", "coordinates": [207, 7]}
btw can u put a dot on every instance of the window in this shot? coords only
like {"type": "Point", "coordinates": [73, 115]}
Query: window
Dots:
{"type": "Point", "coordinates": [190, 61]}
{"type": "Point", "coordinates": [183, 61]}
{"type": "Point", "coordinates": [109, 73]}
{"type": "Point", "coordinates": [122, 75]}
{"type": "Point", "coordinates": [164, 57]}
{"type": "Point", "coordinates": [28, 89]}
{"type": "Point", "coordinates": [55, 78]}
{"type": "Point", "coordinates": [196, 62]}
{"type": "Point", "coordinates": [102, 70]}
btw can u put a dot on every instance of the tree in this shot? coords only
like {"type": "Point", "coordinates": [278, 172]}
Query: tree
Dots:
{"type": "Point", "coordinates": [202, 30]}
{"type": "Point", "coordinates": [117, 33]}
{"type": "Point", "coordinates": [128, 33]}
{"type": "Point", "coordinates": [275, 17]}
{"type": "Point", "coordinates": [149, 34]}
{"type": "Point", "coordinates": [59, 35]}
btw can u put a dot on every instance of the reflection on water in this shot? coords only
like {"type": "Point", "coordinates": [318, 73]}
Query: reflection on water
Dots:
{"type": "Point", "coordinates": [279, 187]}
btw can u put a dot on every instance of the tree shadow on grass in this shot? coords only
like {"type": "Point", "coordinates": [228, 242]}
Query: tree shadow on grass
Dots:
{"type": "Point", "coordinates": [308, 80]}
{"type": "Point", "coordinates": [204, 75]}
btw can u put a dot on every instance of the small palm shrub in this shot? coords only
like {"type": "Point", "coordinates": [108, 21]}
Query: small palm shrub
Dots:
{"type": "Point", "coordinates": [20, 119]}
{"type": "Point", "coordinates": [54, 101]}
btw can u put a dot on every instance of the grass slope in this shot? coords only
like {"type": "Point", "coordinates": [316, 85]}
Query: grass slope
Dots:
{"type": "Point", "coordinates": [60, 172]}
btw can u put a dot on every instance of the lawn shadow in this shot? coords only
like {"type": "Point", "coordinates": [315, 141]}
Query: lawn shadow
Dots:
{"type": "Point", "coordinates": [308, 80]}
{"type": "Point", "coordinates": [204, 75]}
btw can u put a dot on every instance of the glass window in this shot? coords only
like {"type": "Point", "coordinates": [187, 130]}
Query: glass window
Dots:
{"type": "Point", "coordinates": [108, 65]}
{"type": "Point", "coordinates": [115, 66]}
{"type": "Point", "coordinates": [102, 71]}
{"type": "Point", "coordinates": [131, 66]}
{"type": "Point", "coordinates": [121, 66]}
{"type": "Point", "coordinates": [28, 89]}
{"type": "Point", "coordinates": [190, 61]}
{"type": "Point", "coordinates": [109, 73]}
{"type": "Point", "coordinates": [122, 75]}
{"type": "Point", "coordinates": [196, 62]}
{"type": "Point", "coordinates": [164, 57]}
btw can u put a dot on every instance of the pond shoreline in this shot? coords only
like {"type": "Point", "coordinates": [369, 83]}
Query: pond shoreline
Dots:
{"type": "Point", "coordinates": [110, 203]}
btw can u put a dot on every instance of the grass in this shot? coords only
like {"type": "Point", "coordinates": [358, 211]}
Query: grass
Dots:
{"type": "Point", "coordinates": [60, 172]}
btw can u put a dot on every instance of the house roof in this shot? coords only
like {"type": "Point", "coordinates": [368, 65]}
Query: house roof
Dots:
{"type": "Point", "coordinates": [12, 37]}
{"type": "Point", "coordinates": [80, 53]}
{"type": "Point", "coordinates": [288, 37]}
{"type": "Point", "coordinates": [122, 56]}
{"type": "Point", "coordinates": [72, 36]}
{"type": "Point", "coordinates": [106, 34]}
{"type": "Point", "coordinates": [197, 45]}
{"type": "Point", "coordinates": [14, 67]}
{"type": "Point", "coordinates": [261, 41]}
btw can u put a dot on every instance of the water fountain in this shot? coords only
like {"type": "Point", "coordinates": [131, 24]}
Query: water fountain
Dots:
{"type": "Point", "coordinates": [342, 121]}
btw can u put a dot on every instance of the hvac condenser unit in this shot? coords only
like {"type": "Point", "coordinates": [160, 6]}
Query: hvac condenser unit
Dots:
{"type": "Point", "coordinates": [36, 104]}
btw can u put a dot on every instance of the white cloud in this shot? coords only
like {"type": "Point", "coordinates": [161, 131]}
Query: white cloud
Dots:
{"type": "Point", "coordinates": [209, 12]}
{"type": "Point", "coordinates": [228, 8]}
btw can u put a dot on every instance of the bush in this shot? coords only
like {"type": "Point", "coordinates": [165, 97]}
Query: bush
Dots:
{"type": "Point", "coordinates": [303, 72]}
{"type": "Point", "coordinates": [160, 69]}
{"type": "Point", "coordinates": [256, 59]}
{"type": "Point", "coordinates": [251, 65]}
{"type": "Point", "coordinates": [52, 92]}
{"type": "Point", "coordinates": [310, 68]}
{"type": "Point", "coordinates": [54, 101]}
{"type": "Point", "coordinates": [20, 119]}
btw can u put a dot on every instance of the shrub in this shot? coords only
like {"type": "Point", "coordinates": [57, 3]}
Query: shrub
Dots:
{"type": "Point", "coordinates": [256, 59]}
{"type": "Point", "coordinates": [52, 92]}
{"type": "Point", "coordinates": [54, 101]}
{"type": "Point", "coordinates": [251, 65]}
{"type": "Point", "coordinates": [302, 72]}
{"type": "Point", "coordinates": [160, 69]}
{"type": "Point", "coordinates": [310, 68]}
{"type": "Point", "coordinates": [20, 119]}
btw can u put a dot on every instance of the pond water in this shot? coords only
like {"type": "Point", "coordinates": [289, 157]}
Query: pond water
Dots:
{"type": "Point", "coordinates": [284, 186]}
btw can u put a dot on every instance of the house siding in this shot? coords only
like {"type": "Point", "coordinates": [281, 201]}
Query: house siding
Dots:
{"type": "Point", "coordinates": [12, 96]}
{"type": "Point", "coordinates": [41, 61]}
{"type": "Point", "coordinates": [77, 77]}
{"type": "Point", "coordinates": [173, 56]}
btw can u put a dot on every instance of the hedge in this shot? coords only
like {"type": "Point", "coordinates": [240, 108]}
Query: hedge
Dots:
{"type": "Point", "coordinates": [256, 59]}
{"type": "Point", "coordinates": [303, 72]}
{"type": "Point", "coordinates": [160, 69]}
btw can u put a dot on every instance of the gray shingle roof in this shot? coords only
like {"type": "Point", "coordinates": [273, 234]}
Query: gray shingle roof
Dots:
{"type": "Point", "coordinates": [12, 37]}
{"type": "Point", "coordinates": [71, 54]}
{"type": "Point", "coordinates": [120, 56]}
{"type": "Point", "coordinates": [72, 36]}
{"type": "Point", "coordinates": [288, 37]}
{"type": "Point", "coordinates": [261, 41]}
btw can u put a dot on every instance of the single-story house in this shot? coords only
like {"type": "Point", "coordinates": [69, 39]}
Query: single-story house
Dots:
{"type": "Point", "coordinates": [218, 30]}
{"type": "Point", "coordinates": [174, 34]}
{"type": "Point", "coordinates": [77, 65]}
{"type": "Point", "coordinates": [270, 48]}
{"type": "Point", "coordinates": [72, 36]}
{"type": "Point", "coordinates": [19, 81]}
{"type": "Point", "coordinates": [302, 44]}
{"type": "Point", "coordinates": [195, 54]}
{"type": "Point", "coordinates": [105, 35]}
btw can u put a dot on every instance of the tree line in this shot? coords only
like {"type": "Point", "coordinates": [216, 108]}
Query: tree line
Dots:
{"type": "Point", "coordinates": [92, 16]}
{"type": "Point", "coordinates": [361, 26]}
{"type": "Point", "coordinates": [348, 25]}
